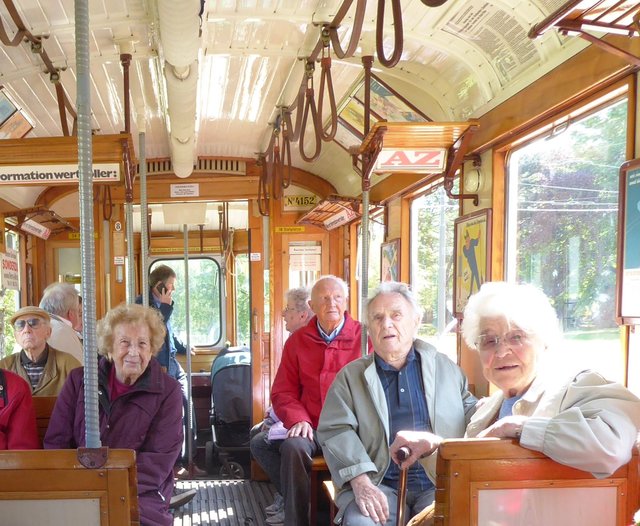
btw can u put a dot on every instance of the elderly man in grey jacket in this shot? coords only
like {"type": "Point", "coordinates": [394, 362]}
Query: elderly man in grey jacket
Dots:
{"type": "Point", "coordinates": [405, 387]}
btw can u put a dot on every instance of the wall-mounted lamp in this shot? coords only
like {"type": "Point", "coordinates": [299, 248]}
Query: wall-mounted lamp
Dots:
{"type": "Point", "coordinates": [472, 180]}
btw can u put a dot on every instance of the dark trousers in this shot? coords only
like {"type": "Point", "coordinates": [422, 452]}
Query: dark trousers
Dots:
{"type": "Point", "coordinates": [288, 464]}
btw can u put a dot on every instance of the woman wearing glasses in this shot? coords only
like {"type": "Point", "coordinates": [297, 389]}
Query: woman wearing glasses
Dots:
{"type": "Point", "coordinates": [579, 419]}
{"type": "Point", "coordinates": [42, 366]}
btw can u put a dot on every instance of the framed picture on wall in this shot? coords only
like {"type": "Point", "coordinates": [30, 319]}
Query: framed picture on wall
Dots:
{"type": "Point", "coordinates": [628, 271]}
{"type": "Point", "coordinates": [472, 258]}
{"type": "Point", "coordinates": [389, 105]}
{"type": "Point", "coordinates": [390, 260]}
{"type": "Point", "coordinates": [346, 137]}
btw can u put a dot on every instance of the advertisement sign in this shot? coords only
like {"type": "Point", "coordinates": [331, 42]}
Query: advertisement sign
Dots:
{"type": "Point", "coordinates": [47, 174]}
{"type": "Point", "coordinates": [427, 160]}
{"type": "Point", "coordinates": [10, 274]}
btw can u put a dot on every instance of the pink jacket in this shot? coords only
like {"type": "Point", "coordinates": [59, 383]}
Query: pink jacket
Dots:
{"type": "Point", "coordinates": [308, 368]}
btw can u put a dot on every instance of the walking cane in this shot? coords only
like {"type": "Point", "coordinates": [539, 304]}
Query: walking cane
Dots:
{"type": "Point", "coordinates": [403, 453]}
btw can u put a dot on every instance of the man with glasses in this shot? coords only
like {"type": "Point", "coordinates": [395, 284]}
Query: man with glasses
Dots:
{"type": "Point", "coordinates": [296, 315]}
{"type": "Point", "coordinates": [42, 366]}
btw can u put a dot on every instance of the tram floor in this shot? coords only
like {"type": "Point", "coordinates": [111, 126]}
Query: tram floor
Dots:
{"type": "Point", "coordinates": [229, 502]}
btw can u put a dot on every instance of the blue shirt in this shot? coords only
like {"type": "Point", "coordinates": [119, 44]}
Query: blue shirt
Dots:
{"type": "Point", "coordinates": [407, 405]}
{"type": "Point", "coordinates": [330, 337]}
{"type": "Point", "coordinates": [506, 409]}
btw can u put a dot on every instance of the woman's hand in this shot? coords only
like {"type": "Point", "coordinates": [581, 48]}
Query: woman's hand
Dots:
{"type": "Point", "coordinates": [507, 427]}
{"type": "Point", "coordinates": [420, 444]}
{"type": "Point", "coordinates": [371, 501]}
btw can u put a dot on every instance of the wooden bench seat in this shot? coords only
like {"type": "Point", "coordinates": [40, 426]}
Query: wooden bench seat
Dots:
{"type": "Point", "coordinates": [52, 487]}
{"type": "Point", "coordinates": [43, 406]}
{"type": "Point", "coordinates": [483, 480]}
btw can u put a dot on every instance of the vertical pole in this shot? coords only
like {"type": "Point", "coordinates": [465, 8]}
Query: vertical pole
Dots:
{"type": "Point", "coordinates": [185, 234]}
{"type": "Point", "coordinates": [87, 244]}
{"type": "Point", "coordinates": [367, 62]}
{"type": "Point", "coordinates": [144, 225]}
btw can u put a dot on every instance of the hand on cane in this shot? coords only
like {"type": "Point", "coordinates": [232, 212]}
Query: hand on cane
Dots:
{"type": "Point", "coordinates": [419, 443]}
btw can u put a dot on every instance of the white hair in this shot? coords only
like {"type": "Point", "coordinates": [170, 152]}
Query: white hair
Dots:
{"type": "Point", "coordinates": [393, 287]}
{"type": "Point", "coordinates": [524, 305]}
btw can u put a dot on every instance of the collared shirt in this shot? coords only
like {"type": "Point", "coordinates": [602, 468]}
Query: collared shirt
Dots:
{"type": "Point", "coordinates": [506, 409]}
{"type": "Point", "coordinates": [407, 405]}
{"type": "Point", "coordinates": [34, 369]}
{"type": "Point", "coordinates": [330, 337]}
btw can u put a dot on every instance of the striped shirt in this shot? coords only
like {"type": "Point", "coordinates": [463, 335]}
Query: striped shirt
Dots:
{"type": "Point", "coordinates": [407, 405]}
{"type": "Point", "coordinates": [34, 370]}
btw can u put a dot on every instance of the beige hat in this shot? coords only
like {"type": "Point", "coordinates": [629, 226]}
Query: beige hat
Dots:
{"type": "Point", "coordinates": [33, 311]}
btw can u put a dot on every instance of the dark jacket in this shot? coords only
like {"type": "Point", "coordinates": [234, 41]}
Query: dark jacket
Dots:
{"type": "Point", "coordinates": [309, 365]}
{"type": "Point", "coordinates": [172, 345]}
{"type": "Point", "coordinates": [147, 419]}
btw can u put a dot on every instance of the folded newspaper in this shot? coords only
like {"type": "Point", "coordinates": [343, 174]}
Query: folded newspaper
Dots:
{"type": "Point", "coordinates": [277, 431]}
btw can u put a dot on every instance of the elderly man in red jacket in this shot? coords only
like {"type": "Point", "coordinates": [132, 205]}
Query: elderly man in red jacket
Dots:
{"type": "Point", "coordinates": [311, 358]}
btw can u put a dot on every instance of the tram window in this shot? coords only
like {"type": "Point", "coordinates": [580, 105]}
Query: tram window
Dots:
{"type": "Point", "coordinates": [9, 300]}
{"type": "Point", "coordinates": [432, 225]}
{"type": "Point", "coordinates": [243, 299]}
{"type": "Point", "coordinates": [562, 209]}
{"type": "Point", "coordinates": [206, 315]}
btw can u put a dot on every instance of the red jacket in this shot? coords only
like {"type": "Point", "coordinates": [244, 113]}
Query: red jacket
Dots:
{"type": "Point", "coordinates": [17, 417]}
{"type": "Point", "coordinates": [308, 367]}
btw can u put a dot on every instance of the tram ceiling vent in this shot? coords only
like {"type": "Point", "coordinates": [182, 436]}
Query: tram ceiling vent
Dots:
{"type": "Point", "coordinates": [204, 166]}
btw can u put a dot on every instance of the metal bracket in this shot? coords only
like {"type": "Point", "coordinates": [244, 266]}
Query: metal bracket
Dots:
{"type": "Point", "coordinates": [93, 458]}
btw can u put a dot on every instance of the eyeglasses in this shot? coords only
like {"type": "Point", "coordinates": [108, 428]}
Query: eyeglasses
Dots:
{"type": "Point", "coordinates": [287, 309]}
{"type": "Point", "coordinates": [491, 342]}
{"type": "Point", "coordinates": [34, 323]}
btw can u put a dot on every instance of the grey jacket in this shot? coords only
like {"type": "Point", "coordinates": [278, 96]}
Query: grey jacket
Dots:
{"type": "Point", "coordinates": [354, 425]}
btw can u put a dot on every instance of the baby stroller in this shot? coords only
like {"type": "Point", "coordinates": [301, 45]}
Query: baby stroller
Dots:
{"type": "Point", "coordinates": [230, 413]}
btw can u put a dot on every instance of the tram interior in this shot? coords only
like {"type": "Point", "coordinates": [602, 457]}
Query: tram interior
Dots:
{"type": "Point", "coordinates": [247, 185]}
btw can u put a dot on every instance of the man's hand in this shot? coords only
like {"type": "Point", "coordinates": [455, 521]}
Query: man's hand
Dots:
{"type": "Point", "coordinates": [507, 427]}
{"type": "Point", "coordinates": [371, 501]}
{"type": "Point", "coordinates": [301, 429]}
{"type": "Point", "coordinates": [163, 294]}
{"type": "Point", "coordinates": [420, 443]}
{"type": "Point", "coordinates": [193, 351]}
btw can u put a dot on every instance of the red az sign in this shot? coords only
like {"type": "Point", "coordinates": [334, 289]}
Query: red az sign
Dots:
{"type": "Point", "coordinates": [430, 160]}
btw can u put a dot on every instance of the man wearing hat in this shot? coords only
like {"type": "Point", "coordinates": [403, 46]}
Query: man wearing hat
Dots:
{"type": "Point", "coordinates": [43, 367]}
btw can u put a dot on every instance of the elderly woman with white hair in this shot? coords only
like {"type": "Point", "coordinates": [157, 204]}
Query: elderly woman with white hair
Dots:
{"type": "Point", "coordinates": [579, 419]}
{"type": "Point", "coordinates": [403, 392]}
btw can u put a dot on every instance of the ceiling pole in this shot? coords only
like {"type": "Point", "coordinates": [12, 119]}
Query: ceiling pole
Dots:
{"type": "Point", "coordinates": [367, 62]}
{"type": "Point", "coordinates": [125, 60]}
{"type": "Point", "coordinates": [144, 210]}
{"type": "Point", "coordinates": [87, 244]}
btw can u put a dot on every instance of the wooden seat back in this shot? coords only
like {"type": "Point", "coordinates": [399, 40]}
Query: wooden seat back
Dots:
{"type": "Point", "coordinates": [43, 406]}
{"type": "Point", "coordinates": [52, 487]}
{"type": "Point", "coordinates": [480, 480]}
